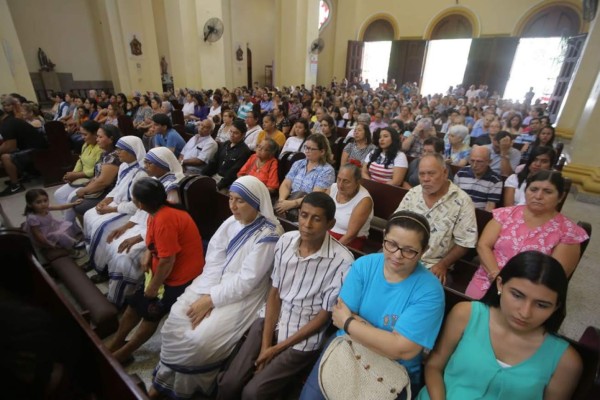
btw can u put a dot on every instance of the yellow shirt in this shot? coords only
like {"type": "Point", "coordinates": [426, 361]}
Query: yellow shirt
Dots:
{"type": "Point", "coordinates": [278, 137]}
{"type": "Point", "coordinates": [90, 154]}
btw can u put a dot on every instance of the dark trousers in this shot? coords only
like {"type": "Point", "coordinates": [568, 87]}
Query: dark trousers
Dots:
{"type": "Point", "coordinates": [239, 378]}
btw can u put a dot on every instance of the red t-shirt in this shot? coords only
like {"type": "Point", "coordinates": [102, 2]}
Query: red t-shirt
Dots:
{"type": "Point", "coordinates": [173, 232]}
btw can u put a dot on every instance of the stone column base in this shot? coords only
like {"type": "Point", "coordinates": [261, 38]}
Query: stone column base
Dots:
{"type": "Point", "coordinates": [586, 176]}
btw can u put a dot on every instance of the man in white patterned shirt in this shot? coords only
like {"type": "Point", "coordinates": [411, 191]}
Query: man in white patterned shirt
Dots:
{"type": "Point", "coordinates": [449, 211]}
{"type": "Point", "coordinates": [308, 271]}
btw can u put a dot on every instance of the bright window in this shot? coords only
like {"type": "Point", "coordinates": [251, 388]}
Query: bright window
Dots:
{"type": "Point", "coordinates": [445, 64]}
{"type": "Point", "coordinates": [376, 61]}
{"type": "Point", "coordinates": [537, 63]}
{"type": "Point", "coordinates": [324, 13]}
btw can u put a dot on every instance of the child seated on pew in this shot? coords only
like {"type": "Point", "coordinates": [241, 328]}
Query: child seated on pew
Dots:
{"type": "Point", "coordinates": [505, 347]}
{"type": "Point", "coordinates": [46, 231]}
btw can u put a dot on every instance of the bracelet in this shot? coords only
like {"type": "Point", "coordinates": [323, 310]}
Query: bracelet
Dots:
{"type": "Point", "coordinates": [347, 324]}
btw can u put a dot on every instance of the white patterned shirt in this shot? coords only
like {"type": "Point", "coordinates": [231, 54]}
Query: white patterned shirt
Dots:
{"type": "Point", "coordinates": [451, 218]}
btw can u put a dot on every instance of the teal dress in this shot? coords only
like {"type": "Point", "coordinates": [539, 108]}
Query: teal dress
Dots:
{"type": "Point", "coordinates": [474, 373]}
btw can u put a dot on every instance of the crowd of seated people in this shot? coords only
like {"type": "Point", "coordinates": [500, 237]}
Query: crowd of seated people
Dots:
{"type": "Point", "coordinates": [128, 206]}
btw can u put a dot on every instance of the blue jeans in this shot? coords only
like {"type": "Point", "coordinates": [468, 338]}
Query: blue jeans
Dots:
{"type": "Point", "coordinates": [312, 390]}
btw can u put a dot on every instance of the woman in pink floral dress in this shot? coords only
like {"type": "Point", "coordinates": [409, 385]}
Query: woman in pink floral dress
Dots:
{"type": "Point", "coordinates": [533, 226]}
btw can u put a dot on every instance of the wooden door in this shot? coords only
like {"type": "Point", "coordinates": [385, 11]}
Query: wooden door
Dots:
{"type": "Point", "coordinates": [354, 60]}
{"type": "Point", "coordinates": [574, 49]}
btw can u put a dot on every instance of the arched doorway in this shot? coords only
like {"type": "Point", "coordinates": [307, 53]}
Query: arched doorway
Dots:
{"type": "Point", "coordinates": [377, 37]}
{"type": "Point", "coordinates": [450, 40]}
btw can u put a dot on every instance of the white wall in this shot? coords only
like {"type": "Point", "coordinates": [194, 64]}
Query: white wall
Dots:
{"type": "Point", "coordinates": [66, 30]}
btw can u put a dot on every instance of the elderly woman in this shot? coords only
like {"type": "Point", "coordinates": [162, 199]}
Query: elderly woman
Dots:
{"type": "Point", "coordinates": [263, 165]}
{"type": "Point", "coordinates": [125, 243]}
{"type": "Point", "coordinates": [84, 168]}
{"type": "Point", "coordinates": [533, 226]}
{"type": "Point", "coordinates": [413, 144]}
{"type": "Point", "coordinates": [211, 316]}
{"type": "Point", "coordinates": [541, 158]}
{"type": "Point", "coordinates": [356, 152]}
{"type": "Point", "coordinates": [224, 133]}
{"type": "Point", "coordinates": [353, 208]}
{"type": "Point", "coordinates": [110, 213]}
{"type": "Point", "coordinates": [105, 174]}
{"type": "Point", "coordinates": [457, 151]}
{"type": "Point", "coordinates": [270, 131]}
{"type": "Point", "coordinates": [173, 259]}
{"type": "Point", "coordinates": [312, 174]}
{"type": "Point", "coordinates": [387, 163]}
{"type": "Point", "coordinates": [297, 137]}
{"type": "Point", "coordinates": [390, 302]}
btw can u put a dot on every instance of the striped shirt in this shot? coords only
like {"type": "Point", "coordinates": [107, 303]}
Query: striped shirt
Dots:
{"type": "Point", "coordinates": [378, 170]}
{"type": "Point", "coordinates": [486, 189]}
{"type": "Point", "coordinates": [307, 285]}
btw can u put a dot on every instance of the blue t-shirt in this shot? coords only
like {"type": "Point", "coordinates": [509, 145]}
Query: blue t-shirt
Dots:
{"type": "Point", "coordinates": [171, 139]}
{"type": "Point", "coordinates": [414, 307]}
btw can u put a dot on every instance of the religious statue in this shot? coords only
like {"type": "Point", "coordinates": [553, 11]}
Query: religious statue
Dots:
{"type": "Point", "coordinates": [136, 46]}
{"type": "Point", "coordinates": [164, 66]}
{"type": "Point", "coordinates": [45, 63]}
{"type": "Point", "coordinates": [239, 54]}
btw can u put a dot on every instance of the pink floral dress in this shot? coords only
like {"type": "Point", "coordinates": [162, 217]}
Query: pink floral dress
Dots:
{"type": "Point", "coordinates": [516, 237]}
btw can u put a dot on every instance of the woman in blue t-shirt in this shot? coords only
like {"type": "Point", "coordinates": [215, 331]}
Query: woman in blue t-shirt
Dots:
{"type": "Point", "coordinates": [389, 301]}
{"type": "Point", "coordinates": [504, 347]}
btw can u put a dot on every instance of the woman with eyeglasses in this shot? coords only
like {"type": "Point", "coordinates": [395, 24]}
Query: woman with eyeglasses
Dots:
{"type": "Point", "coordinates": [389, 302]}
{"type": "Point", "coordinates": [312, 174]}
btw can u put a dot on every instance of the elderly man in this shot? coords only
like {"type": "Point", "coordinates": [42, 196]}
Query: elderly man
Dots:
{"type": "Point", "coordinates": [483, 185]}
{"type": "Point", "coordinates": [450, 213]}
{"type": "Point", "coordinates": [504, 157]}
{"type": "Point", "coordinates": [200, 149]}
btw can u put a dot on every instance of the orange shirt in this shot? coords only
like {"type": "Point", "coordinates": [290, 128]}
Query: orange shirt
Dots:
{"type": "Point", "coordinates": [277, 136]}
{"type": "Point", "coordinates": [173, 232]}
{"type": "Point", "coordinates": [267, 174]}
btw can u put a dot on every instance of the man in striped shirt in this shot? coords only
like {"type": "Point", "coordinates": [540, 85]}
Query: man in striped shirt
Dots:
{"type": "Point", "coordinates": [483, 185]}
{"type": "Point", "coordinates": [308, 271]}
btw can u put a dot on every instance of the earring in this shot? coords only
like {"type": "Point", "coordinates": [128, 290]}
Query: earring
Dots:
{"type": "Point", "coordinates": [499, 292]}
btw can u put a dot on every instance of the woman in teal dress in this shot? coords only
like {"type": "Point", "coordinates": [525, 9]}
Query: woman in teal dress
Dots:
{"type": "Point", "coordinates": [505, 346]}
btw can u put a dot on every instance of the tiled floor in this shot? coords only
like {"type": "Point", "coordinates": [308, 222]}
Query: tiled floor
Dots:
{"type": "Point", "coordinates": [582, 304]}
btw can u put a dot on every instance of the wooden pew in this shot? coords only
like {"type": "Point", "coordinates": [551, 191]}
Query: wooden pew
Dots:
{"type": "Point", "coordinates": [54, 161]}
{"type": "Point", "coordinates": [285, 163]}
{"type": "Point", "coordinates": [177, 117]}
{"type": "Point", "coordinates": [588, 346]}
{"type": "Point", "coordinates": [88, 369]}
{"type": "Point", "coordinates": [198, 196]}
{"type": "Point", "coordinates": [126, 126]}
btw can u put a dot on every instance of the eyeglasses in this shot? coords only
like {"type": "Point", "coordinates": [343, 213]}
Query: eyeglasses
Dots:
{"type": "Point", "coordinates": [405, 252]}
{"type": "Point", "coordinates": [307, 149]}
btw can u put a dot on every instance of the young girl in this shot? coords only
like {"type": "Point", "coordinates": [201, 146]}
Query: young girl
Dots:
{"type": "Point", "coordinates": [45, 230]}
{"type": "Point", "coordinates": [505, 346]}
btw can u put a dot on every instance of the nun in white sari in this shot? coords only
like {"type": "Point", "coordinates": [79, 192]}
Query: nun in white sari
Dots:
{"type": "Point", "coordinates": [208, 320]}
{"type": "Point", "coordinates": [117, 205]}
{"type": "Point", "coordinates": [125, 245]}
